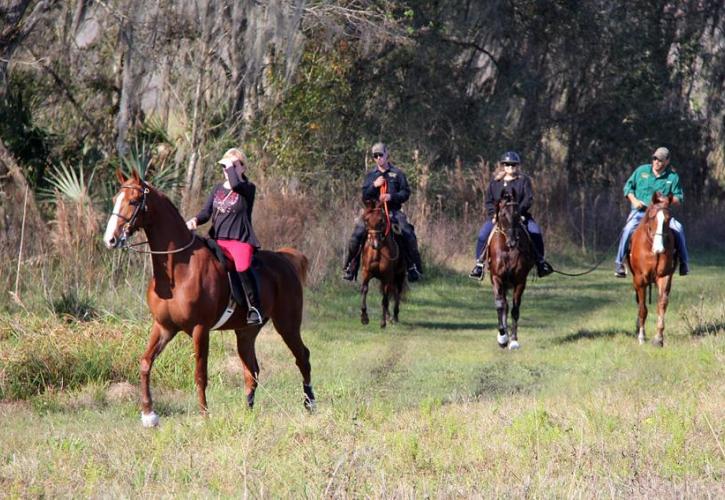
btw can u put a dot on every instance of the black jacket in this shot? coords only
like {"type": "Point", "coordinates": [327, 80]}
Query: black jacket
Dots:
{"type": "Point", "coordinates": [231, 210]}
{"type": "Point", "coordinates": [398, 187]}
{"type": "Point", "coordinates": [521, 186]}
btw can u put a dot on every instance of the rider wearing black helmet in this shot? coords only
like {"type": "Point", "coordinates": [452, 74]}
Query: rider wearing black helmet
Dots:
{"type": "Point", "coordinates": [508, 177]}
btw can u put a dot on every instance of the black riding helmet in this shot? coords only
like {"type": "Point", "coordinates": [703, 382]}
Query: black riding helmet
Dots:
{"type": "Point", "coordinates": [510, 157]}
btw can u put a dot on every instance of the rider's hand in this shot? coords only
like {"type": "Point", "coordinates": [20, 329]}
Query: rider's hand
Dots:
{"type": "Point", "coordinates": [385, 197]}
{"type": "Point", "coordinates": [191, 223]}
{"type": "Point", "coordinates": [639, 205]}
{"type": "Point", "coordinates": [379, 181]}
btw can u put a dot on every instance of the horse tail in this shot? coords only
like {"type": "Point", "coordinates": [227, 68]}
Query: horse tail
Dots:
{"type": "Point", "coordinates": [298, 261]}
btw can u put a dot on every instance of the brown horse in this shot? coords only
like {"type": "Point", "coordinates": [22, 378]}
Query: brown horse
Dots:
{"type": "Point", "coordinates": [510, 258]}
{"type": "Point", "coordinates": [190, 291]}
{"type": "Point", "coordinates": [651, 260]}
{"type": "Point", "coordinates": [381, 259]}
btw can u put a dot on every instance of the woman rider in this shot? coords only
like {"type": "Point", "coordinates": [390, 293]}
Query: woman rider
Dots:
{"type": "Point", "coordinates": [230, 207]}
{"type": "Point", "coordinates": [508, 177]}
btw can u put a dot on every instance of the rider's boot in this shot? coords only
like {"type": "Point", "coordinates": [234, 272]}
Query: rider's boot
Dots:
{"type": "Point", "coordinates": [477, 272]}
{"type": "Point", "coordinates": [251, 292]}
{"type": "Point", "coordinates": [543, 268]}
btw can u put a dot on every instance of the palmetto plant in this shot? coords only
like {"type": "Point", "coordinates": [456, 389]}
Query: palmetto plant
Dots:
{"type": "Point", "coordinates": [69, 183]}
{"type": "Point", "coordinates": [154, 169]}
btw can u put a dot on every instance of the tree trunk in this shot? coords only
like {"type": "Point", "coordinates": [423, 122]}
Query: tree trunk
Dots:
{"type": "Point", "coordinates": [13, 189]}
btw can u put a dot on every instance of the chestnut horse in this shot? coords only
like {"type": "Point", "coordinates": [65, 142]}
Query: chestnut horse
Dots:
{"type": "Point", "coordinates": [651, 260]}
{"type": "Point", "coordinates": [510, 258]}
{"type": "Point", "coordinates": [190, 291]}
{"type": "Point", "coordinates": [381, 259]}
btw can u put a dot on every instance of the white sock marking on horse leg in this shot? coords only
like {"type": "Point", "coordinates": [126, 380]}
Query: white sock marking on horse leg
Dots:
{"type": "Point", "coordinates": [113, 221]}
{"type": "Point", "coordinates": [149, 419]}
{"type": "Point", "coordinates": [657, 244]}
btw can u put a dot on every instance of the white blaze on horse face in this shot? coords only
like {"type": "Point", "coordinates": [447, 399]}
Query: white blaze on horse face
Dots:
{"type": "Point", "coordinates": [658, 244]}
{"type": "Point", "coordinates": [113, 221]}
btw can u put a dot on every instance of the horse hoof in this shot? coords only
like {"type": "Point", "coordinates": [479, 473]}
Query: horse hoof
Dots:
{"type": "Point", "coordinates": [149, 419]}
{"type": "Point", "coordinates": [513, 345]}
{"type": "Point", "coordinates": [659, 342]}
{"type": "Point", "coordinates": [364, 320]}
{"type": "Point", "coordinates": [502, 340]}
{"type": "Point", "coordinates": [310, 405]}
{"type": "Point", "coordinates": [641, 340]}
{"type": "Point", "coordinates": [382, 325]}
{"type": "Point", "coordinates": [250, 401]}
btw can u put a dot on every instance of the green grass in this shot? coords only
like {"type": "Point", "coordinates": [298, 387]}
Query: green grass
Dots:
{"type": "Point", "coordinates": [429, 407]}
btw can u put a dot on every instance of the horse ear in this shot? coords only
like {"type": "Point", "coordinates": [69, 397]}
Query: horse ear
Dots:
{"type": "Point", "coordinates": [119, 175]}
{"type": "Point", "coordinates": [136, 177]}
{"type": "Point", "coordinates": [513, 194]}
{"type": "Point", "coordinates": [655, 197]}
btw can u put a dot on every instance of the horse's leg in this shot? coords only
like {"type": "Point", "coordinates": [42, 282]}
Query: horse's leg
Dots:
{"type": "Point", "coordinates": [385, 290]}
{"type": "Point", "coordinates": [200, 336]}
{"type": "Point", "coordinates": [518, 293]}
{"type": "Point", "coordinates": [397, 292]}
{"type": "Point", "coordinates": [245, 349]}
{"type": "Point", "coordinates": [642, 313]}
{"type": "Point", "coordinates": [364, 303]}
{"type": "Point", "coordinates": [158, 339]}
{"type": "Point", "coordinates": [288, 325]}
{"type": "Point", "coordinates": [499, 295]}
{"type": "Point", "coordinates": [663, 287]}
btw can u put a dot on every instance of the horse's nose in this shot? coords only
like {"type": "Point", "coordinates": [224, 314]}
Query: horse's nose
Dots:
{"type": "Point", "coordinates": [111, 242]}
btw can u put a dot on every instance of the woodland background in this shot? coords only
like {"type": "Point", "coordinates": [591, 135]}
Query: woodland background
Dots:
{"type": "Point", "coordinates": [585, 90]}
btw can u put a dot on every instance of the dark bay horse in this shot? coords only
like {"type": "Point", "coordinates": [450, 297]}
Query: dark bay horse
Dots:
{"type": "Point", "coordinates": [510, 258]}
{"type": "Point", "coordinates": [651, 260]}
{"type": "Point", "coordinates": [190, 291]}
{"type": "Point", "coordinates": [381, 259]}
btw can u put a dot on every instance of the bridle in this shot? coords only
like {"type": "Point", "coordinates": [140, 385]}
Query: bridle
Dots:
{"type": "Point", "coordinates": [374, 235]}
{"type": "Point", "coordinates": [509, 233]}
{"type": "Point", "coordinates": [129, 222]}
{"type": "Point", "coordinates": [651, 236]}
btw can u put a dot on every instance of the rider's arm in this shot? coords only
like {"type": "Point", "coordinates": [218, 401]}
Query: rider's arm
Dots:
{"type": "Point", "coordinates": [489, 201]}
{"type": "Point", "coordinates": [205, 212]}
{"type": "Point", "coordinates": [527, 196]}
{"type": "Point", "coordinates": [636, 203]}
{"type": "Point", "coordinates": [403, 193]}
{"type": "Point", "coordinates": [241, 184]}
{"type": "Point", "coordinates": [369, 191]}
{"type": "Point", "coordinates": [677, 193]}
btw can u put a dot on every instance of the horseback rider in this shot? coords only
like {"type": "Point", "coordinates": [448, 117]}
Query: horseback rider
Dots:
{"type": "Point", "coordinates": [508, 177]}
{"type": "Point", "coordinates": [230, 207]}
{"type": "Point", "coordinates": [646, 180]}
{"type": "Point", "coordinates": [397, 193]}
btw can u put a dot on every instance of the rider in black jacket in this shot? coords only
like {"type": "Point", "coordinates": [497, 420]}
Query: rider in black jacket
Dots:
{"type": "Point", "coordinates": [509, 178]}
{"type": "Point", "coordinates": [398, 192]}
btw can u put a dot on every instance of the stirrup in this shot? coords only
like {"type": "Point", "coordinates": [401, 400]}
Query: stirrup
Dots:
{"type": "Point", "coordinates": [253, 316]}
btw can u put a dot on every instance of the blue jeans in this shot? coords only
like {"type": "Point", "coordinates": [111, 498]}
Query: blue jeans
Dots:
{"type": "Point", "coordinates": [531, 226]}
{"type": "Point", "coordinates": [633, 221]}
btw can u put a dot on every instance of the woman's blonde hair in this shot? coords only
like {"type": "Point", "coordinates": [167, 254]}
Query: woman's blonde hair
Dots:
{"type": "Point", "coordinates": [235, 154]}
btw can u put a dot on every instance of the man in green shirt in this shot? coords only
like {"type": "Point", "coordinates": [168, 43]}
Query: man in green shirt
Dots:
{"type": "Point", "coordinates": [646, 180]}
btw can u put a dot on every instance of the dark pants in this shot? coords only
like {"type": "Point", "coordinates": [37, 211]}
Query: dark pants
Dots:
{"type": "Point", "coordinates": [532, 227]}
{"type": "Point", "coordinates": [407, 231]}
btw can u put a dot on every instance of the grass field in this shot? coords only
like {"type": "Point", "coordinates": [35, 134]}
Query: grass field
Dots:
{"type": "Point", "coordinates": [431, 407]}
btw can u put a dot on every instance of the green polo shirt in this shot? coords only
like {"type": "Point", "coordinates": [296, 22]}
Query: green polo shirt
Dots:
{"type": "Point", "coordinates": [644, 183]}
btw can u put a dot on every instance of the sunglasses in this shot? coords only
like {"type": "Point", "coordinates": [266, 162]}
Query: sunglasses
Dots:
{"type": "Point", "coordinates": [510, 164]}
{"type": "Point", "coordinates": [654, 158]}
{"type": "Point", "coordinates": [378, 155]}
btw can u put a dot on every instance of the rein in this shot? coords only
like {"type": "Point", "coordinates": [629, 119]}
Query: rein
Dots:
{"type": "Point", "coordinates": [388, 224]}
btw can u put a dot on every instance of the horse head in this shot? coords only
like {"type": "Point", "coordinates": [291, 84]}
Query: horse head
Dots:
{"type": "Point", "coordinates": [508, 217]}
{"type": "Point", "coordinates": [129, 210]}
{"type": "Point", "coordinates": [374, 219]}
{"type": "Point", "coordinates": [658, 220]}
